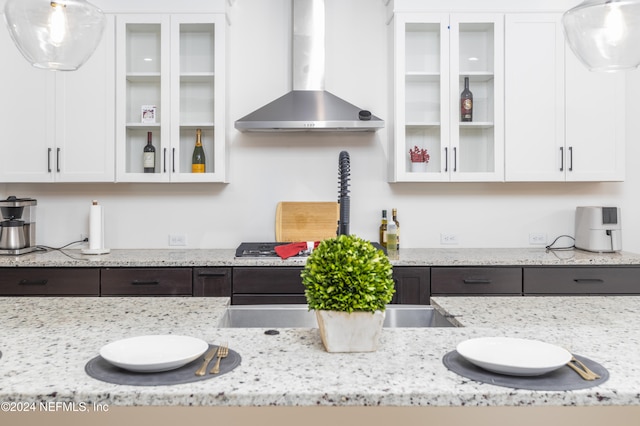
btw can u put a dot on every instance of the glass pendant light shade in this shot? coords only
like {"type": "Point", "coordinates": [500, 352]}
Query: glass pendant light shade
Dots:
{"type": "Point", "coordinates": [57, 35]}
{"type": "Point", "coordinates": [605, 34]}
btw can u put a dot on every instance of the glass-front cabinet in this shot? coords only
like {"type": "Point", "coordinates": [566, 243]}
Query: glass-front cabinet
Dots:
{"type": "Point", "coordinates": [170, 83]}
{"type": "Point", "coordinates": [434, 54]}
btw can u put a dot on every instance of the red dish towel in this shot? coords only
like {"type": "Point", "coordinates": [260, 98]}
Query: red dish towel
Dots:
{"type": "Point", "coordinates": [286, 251]}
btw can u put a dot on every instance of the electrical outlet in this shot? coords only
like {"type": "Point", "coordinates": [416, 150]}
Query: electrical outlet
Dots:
{"type": "Point", "coordinates": [448, 239]}
{"type": "Point", "coordinates": [177, 240]}
{"type": "Point", "coordinates": [537, 238]}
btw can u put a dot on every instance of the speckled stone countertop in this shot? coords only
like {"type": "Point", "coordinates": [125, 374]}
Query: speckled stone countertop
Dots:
{"type": "Point", "coordinates": [46, 343]}
{"type": "Point", "coordinates": [226, 257]}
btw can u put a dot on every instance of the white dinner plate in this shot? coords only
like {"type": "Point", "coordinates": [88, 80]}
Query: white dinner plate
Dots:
{"type": "Point", "coordinates": [512, 356]}
{"type": "Point", "coordinates": [153, 353]}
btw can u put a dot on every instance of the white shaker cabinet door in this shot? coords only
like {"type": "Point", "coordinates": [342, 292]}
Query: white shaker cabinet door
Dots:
{"type": "Point", "coordinates": [57, 126]}
{"type": "Point", "coordinates": [595, 123]}
{"type": "Point", "coordinates": [534, 98]}
{"type": "Point", "coordinates": [85, 103]}
{"type": "Point", "coordinates": [28, 117]}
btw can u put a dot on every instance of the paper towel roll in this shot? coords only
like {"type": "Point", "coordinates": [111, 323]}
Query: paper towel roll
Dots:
{"type": "Point", "coordinates": [96, 227]}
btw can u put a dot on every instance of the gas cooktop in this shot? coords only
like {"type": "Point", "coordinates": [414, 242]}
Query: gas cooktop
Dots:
{"type": "Point", "coordinates": [262, 250]}
{"type": "Point", "coordinates": [268, 250]}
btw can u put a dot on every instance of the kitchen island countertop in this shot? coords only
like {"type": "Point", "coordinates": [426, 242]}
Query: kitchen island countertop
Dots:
{"type": "Point", "coordinates": [47, 342]}
{"type": "Point", "coordinates": [407, 257]}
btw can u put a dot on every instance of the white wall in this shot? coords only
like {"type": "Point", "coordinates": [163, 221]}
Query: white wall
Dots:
{"type": "Point", "coordinates": [267, 168]}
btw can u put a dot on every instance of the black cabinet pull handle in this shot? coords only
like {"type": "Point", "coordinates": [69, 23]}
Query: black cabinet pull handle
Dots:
{"type": "Point", "coordinates": [455, 159]}
{"type": "Point", "coordinates": [588, 280]}
{"type": "Point", "coordinates": [173, 160]}
{"type": "Point", "coordinates": [142, 282]}
{"type": "Point", "coordinates": [570, 158]}
{"type": "Point", "coordinates": [476, 281]}
{"type": "Point", "coordinates": [58, 160]}
{"type": "Point", "coordinates": [446, 159]}
{"type": "Point", "coordinates": [212, 274]}
{"type": "Point", "coordinates": [562, 159]}
{"type": "Point", "coordinates": [164, 160]}
{"type": "Point", "coordinates": [49, 160]}
{"type": "Point", "coordinates": [33, 282]}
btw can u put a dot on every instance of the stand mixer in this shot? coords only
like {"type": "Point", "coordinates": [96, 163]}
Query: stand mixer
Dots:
{"type": "Point", "coordinates": [17, 226]}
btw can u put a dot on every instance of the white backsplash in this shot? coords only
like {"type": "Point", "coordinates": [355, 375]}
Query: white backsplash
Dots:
{"type": "Point", "coordinates": [267, 168]}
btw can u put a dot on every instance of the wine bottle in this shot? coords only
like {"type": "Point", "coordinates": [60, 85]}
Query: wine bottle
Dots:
{"type": "Point", "coordinates": [197, 160]}
{"type": "Point", "coordinates": [466, 102]}
{"type": "Point", "coordinates": [383, 229]}
{"type": "Point", "coordinates": [149, 156]}
{"type": "Point", "coordinates": [394, 217]}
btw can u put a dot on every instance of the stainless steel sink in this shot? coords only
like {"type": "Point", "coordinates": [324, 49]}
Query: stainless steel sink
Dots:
{"type": "Point", "coordinates": [299, 316]}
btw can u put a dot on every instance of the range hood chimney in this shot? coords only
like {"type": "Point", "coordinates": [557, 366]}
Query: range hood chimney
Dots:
{"type": "Point", "coordinates": [308, 107]}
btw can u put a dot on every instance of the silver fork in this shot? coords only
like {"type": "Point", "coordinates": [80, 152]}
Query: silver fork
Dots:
{"type": "Point", "coordinates": [223, 351]}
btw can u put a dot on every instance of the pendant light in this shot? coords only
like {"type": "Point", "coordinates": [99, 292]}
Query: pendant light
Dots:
{"type": "Point", "coordinates": [56, 35]}
{"type": "Point", "coordinates": [605, 34]}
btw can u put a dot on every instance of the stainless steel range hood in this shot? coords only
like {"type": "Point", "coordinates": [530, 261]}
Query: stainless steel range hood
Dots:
{"type": "Point", "coordinates": [308, 107]}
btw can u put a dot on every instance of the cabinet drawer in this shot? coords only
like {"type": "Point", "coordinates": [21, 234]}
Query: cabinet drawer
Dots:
{"type": "Point", "coordinates": [49, 282]}
{"type": "Point", "coordinates": [267, 280]}
{"type": "Point", "coordinates": [212, 282]}
{"type": "Point", "coordinates": [146, 282]}
{"type": "Point", "coordinates": [581, 280]}
{"type": "Point", "coordinates": [268, 299]}
{"type": "Point", "coordinates": [476, 280]}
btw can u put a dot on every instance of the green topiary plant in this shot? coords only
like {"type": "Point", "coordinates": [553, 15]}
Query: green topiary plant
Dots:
{"type": "Point", "coordinates": [347, 273]}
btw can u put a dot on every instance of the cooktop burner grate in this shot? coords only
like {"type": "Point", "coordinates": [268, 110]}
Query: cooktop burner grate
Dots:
{"type": "Point", "coordinates": [258, 249]}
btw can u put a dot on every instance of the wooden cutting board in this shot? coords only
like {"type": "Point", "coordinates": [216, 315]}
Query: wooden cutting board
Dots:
{"type": "Point", "coordinates": [306, 221]}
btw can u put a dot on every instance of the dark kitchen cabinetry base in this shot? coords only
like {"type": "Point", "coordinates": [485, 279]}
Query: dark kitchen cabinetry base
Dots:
{"type": "Point", "coordinates": [146, 282]}
{"type": "Point", "coordinates": [476, 280]}
{"type": "Point", "coordinates": [412, 285]}
{"type": "Point", "coordinates": [269, 285]}
{"type": "Point", "coordinates": [212, 282]}
{"type": "Point", "coordinates": [601, 280]}
{"type": "Point", "coordinates": [49, 282]}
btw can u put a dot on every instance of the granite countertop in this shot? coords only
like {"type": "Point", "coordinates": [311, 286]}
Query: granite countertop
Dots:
{"type": "Point", "coordinates": [408, 257]}
{"type": "Point", "coordinates": [47, 342]}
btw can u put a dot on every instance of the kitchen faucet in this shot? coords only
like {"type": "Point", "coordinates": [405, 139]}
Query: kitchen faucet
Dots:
{"type": "Point", "coordinates": [344, 171]}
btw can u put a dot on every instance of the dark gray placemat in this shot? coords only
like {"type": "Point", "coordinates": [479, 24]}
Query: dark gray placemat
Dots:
{"type": "Point", "coordinates": [562, 379]}
{"type": "Point", "coordinates": [100, 369]}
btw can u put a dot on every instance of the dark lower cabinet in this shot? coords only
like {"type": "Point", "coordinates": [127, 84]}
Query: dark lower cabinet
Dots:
{"type": "Point", "coordinates": [581, 280]}
{"type": "Point", "coordinates": [283, 285]}
{"type": "Point", "coordinates": [476, 280]}
{"type": "Point", "coordinates": [146, 282]}
{"type": "Point", "coordinates": [212, 282]}
{"type": "Point", "coordinates": [267, 285]}
{"type": "Point", "coordinates": [49, 281]}
{"type": "Point", "coordinates": [412, 285]}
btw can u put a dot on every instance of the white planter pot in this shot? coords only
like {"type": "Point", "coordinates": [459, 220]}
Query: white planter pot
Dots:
{"type": "Point", "coordinates": [418, 167]}
{"type": "Point", "coordinates": [350, 332]}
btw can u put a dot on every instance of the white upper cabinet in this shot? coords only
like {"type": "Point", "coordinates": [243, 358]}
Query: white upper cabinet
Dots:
{"type": "Point", "coordinates": [562, 122]}
{"type": "Point", "coordinates": [58, 126]}
{"type": "Point", "coordinates": [433, 54]}
{"type": "Point", "coordinates": [173, 66]}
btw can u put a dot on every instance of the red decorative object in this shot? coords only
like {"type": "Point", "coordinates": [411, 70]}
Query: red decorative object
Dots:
{"type": "Point", "coordinates": [419, 155]}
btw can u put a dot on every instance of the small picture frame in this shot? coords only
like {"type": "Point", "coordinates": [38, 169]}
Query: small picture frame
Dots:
{"type": "Point", "coordinates": [148, 113]}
